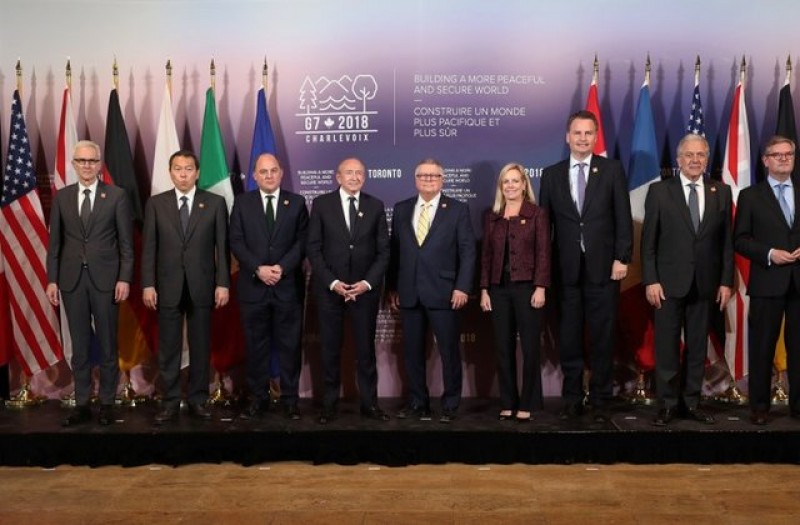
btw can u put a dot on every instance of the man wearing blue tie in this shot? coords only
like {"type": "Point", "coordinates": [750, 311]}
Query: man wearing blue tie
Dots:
{"type": "Point", "coordinates": [768, 234]}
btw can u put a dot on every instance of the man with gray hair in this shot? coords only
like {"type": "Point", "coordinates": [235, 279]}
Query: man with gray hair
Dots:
{"type": "Point", "coordinates": [687, 262]}
{"type": "Point", "coordinates": [90, 263]}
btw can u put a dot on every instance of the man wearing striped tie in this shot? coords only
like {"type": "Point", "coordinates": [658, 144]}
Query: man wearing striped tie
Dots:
{"type": "Point", "coordinates": [431, 272]}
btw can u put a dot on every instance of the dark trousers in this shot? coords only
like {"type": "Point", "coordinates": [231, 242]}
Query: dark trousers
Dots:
{"type": "Point", "coordinates": [364, 314]}
{"type": "Point", "coordinates": [512, 313]}
{"type": "Point", "coordinates": [446, 328]}
{"type": "Point", "coordinates": [273, 328]}
{"type": "Point", "coordinates": [680, 380]}
{"type": "Point", "coordinates": [594, 305]}
{"type": "Point", "coordinates": [766, 314]}
{"type": "Point", "coordinates": [170, 346]}
{"type": "Point", "coordinates": [82, 304]}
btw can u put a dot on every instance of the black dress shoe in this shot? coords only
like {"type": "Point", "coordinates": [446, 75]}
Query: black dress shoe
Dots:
{"type": "Point", "coordinates": [290, 412]}
{"type": "Point", "coordinates": [80, 414]}
{"type": "Point", "coordinates": [758, 417]}
{"type": "Point", "coordinates": [256, 409]}
{"type": "Point", "coordinates": [375, 413]}
{"type": "Point", "coordinates": [664, 416]}
{"type": "Point", "coordinates": [448, 416]}
{"type": "Point", "coordinates": [106, 416]}
{"type": "Point", "coordinates": [414, 412]}
{"type": "Point", "coordinates": [199, 411]}
{"type": "Point", "coordinates": [167, 414]}
{"type": "Point", "coordinates": [695, 414]}
{"type": "Point", "coordinates": [570, 410]}
{"type": "Point", "coordinates": [326, 416]}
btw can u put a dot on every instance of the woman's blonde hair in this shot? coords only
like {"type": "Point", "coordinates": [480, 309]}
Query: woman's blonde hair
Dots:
{"type": "Point", "coordinates": [527, 192]}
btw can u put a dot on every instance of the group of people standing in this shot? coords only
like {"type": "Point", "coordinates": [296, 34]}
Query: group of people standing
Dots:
{"type": "Point", "coordinates": [577, 242]}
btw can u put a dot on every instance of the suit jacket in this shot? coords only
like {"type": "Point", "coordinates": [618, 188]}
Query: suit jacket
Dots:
{"type": "Point", "coordinates": [254, 246]}
{"type": "Point", "coordinates": [202, 258]}
{"type": "Point", "coordinates": [336, 254]}
{"type": "Point", "coordinates": [760, 226]}
{"type": "Point", "coordinates": [106, 246]}
{"type": "Point", "coordinates": [673, 254]}
{"type": "Point", "coordinates": [528, 246]}
{"type": "Point", "coordinates": [428, 274]}
{"type": "Point", "coordinates": [605, 221]}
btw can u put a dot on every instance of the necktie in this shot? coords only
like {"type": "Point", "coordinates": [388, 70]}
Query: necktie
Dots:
{"type": "Point", "coordinates": [581, 185]}
{"type": "Point", "coordinates": [270, 214]}
{"type": "Point", "coordinates": [694, 206]}
{"type": "Point", "coordinates": [423, 224]}
{"type": "Point", "coordinates": [184, 213]}
{"type": "Point", "coordinates": [86, 208]}
{"type": "Point", "coordinates": [353, 213]}
{"type": "Point", "coordinates": [787, 211]}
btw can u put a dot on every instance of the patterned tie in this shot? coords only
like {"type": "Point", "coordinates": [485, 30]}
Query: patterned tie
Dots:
{"type": "Point", "coordinates": [184, 213]}
{"type": "Point", "coordinates": [581, 185]}
{"type": "Point", "coordinates": [785, 208]}
{"type": "Point", "coordinates": [694, 206]}
{"type": "Point", "coordinates": [270, 214]}
{"type": "Point", "coordinates": [423, 224]}
{"type": "Point", "coordinates": [86, 208]}
{"type": "Point", "coordinates": [352, 212]}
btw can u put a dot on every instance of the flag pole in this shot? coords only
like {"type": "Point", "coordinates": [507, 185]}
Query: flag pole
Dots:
{"type": "Point", "coordinates": [169, 77]}
{"type": "Point", "coordinates": [25, 397]}
{"type": "Point", "coordinates": [697, 71]}
{"type": "Point", "coordinates": [68, 75]}
{"type": "Point", "coordinates": [213, 72]}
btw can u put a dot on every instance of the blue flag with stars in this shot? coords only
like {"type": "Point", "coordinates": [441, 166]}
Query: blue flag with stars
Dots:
{"type": "Point", "coordinates": [697, 122]}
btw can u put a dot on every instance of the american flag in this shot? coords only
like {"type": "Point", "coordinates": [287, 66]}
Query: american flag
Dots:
{"type": "Point", "coordinates": [24, 247]}
{"type": "Point", "coordinates": [697, 123]}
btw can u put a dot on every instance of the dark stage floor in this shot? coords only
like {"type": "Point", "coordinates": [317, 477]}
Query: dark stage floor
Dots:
{"type": "Point", "coordinates": [33, 436]}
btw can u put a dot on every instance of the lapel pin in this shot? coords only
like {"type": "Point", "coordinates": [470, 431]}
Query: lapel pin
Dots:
{"type": "Point", "coordinates": [522, 221]}
{"type": "Point", "coordinates": [444, 205]}
{"type": "Point", "coordinates": [361, 214]}
{"type": "Point", "coordinates": [201, 205]}
{"type": "Point", "coordinates": [713, 189]}
{"type": "Point", "coordinates": [286, 202]}
{"type": "Point", "coordinates": [594, 170]}
{"type": "Point", "coordinates": [103, 195]}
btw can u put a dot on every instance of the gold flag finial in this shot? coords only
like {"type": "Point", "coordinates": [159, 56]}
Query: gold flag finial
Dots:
{"type": "Point", "coordinates": [169, 76]}
{"type": "Point", "coordinates": [697, 70]}
{"type": "Point", "coordinates": [742, 70]}
{"type": "Point", "coordinates": [115, 73]}
{"type": "Point", "coordinates": [19, 76]}
{"type": "Point", "coordinates": [788, 69]}
{"type": "Point", "coordinates": [213, 71]}
{"type": "Point", "coordinates": [264, 73]}
{"type": "Point", "coordinates": [647, 69]}
{"type": "Point", "coordinates": [595, 69]}
{"type": "Point", "coordinates": [68, 74]}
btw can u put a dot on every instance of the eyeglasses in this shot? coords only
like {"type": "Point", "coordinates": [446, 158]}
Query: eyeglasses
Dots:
{"type": "Point", "coordinates": [781, 156]}
{"type": "Point", "coordinates": [85, 162]}
{"type": "Point", "coordinates": [429, 176]}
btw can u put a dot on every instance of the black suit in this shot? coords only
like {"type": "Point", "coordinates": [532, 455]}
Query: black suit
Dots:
{"type": "Point", "coordinates": [586, 245]}
{"type": "Point", "coordinates": [690, 266]}
{"type": "Point", "coordinates": [349, 256]}
{"type": "Point", "coordinates": [424, 277]}
{"type": "Point", "coordinates": [86, 263]}
{"type": "Point", "coordinates": [271, 313]}
{"type": "Point", "coordinates": [774, 289]}
{"type": "Point", "coordinates": [185, 271]}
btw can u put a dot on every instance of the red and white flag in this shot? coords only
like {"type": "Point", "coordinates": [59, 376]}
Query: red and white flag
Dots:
{"type": "Point", "coordinates": [24, 248]}
{"type": "Point", "coordinates": [736, 172]}
{"type": "Point", "coordinates": [593, 105]}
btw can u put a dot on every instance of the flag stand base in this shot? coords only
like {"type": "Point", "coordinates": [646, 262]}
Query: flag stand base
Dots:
{"type": "Point", "coordinates": [25, 398]}
{"type": "Point", "coordinates": [220, 396]}
{"type": "Point", "coordinates": [732, 396]}
{"type": "Point", "coordinates": [779, 395]}
{"type": "Point", "coordinates": [640, 394]}
{"type": "Point", "coordinates": [128, 396]}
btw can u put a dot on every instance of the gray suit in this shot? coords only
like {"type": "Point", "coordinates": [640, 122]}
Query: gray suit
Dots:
{"type": "Point", "coordinates": [185, 270]}
{"type": "Point", "coordinates": [86, 263]}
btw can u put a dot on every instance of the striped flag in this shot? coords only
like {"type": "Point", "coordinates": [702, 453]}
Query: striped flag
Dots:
{"type": "Point", "coordinates": [697, 121]}
{"type": "Point", "coordinates": [24, 240]}
{"type": "Point", "coordinates": [593, 105]}
{"type": "Point", "coordinates": [736, 173]}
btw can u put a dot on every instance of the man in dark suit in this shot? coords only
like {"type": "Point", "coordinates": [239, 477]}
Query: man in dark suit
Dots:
{"type": "Point", "coordinates": [268, 236]}
{"type": "Point", "coordinates": [768, 234]}
{"type": "Point", "coordinates": [185, 272]}
{"type": "Point", "coordinates": [348, 247]}
{"type": "Point", "coordinates": [90, 261]}
{"type": "Point", "coordinates": [431, 272]}
{"type": "Point", "coordinates": [687, 262]}
{"type": "Point", "coordinates": [590, 212]}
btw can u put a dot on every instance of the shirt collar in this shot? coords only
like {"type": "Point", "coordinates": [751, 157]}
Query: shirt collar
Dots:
{"type": "Point", "coordinates": [346, 196]}
{"type": "Point", "coordinates": [92, 186]}
{"type": "Point", "coordinates": [775, 182]}
{"type": "Point", "coordinates": [434, 201]}
{"type": "Point", "coordinates": [685, 181]}
{"type": "Point", "coordinates": [276, 194]}
{"type": "Point", "coordinates": [573, 161]}
{"type": "Point", "coordinates": [190, 194]}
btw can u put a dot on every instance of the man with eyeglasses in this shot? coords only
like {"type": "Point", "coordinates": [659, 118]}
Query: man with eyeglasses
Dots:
{"type": "Point", "coordinates": [431, 272]}
{"type": "Point", "coordinates": [90, 263]}
{"type": "Point", "coordinates": [768, 234]}
{"type": "Point", "coordinates": [348, 248]}
{"type": "Point", "coordinates": [590, 210]}
{"type": "Point", "coordinates": [185, 273]}
{"type": "Point", "coordinates": [687, 262]}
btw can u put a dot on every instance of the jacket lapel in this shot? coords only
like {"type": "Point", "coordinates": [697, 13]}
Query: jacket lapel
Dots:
{"type": "Point", "coordinates": [773, 204]}
{"type": "Point", "coordinates": [679, 200]}
{"type": "Point", "coordinates": [592, 180]}
{"type": "Point", "coordinates": [711, 208]}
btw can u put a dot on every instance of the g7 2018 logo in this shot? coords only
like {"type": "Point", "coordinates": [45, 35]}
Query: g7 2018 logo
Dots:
{"type": "Point", "coordinates": [337, 110]}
